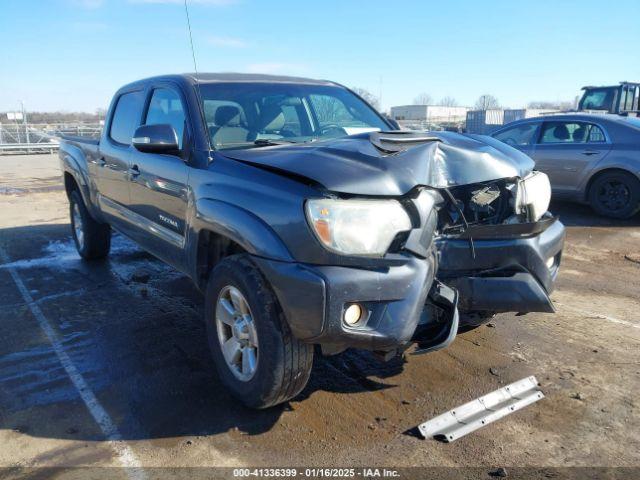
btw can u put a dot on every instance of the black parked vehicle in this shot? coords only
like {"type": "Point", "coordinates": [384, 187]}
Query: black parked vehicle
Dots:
{"type": "Point", "coordinates": [306, 221]}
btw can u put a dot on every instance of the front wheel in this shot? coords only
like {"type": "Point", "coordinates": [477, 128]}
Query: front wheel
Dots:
{"type": "Point", "coordinates": [92, 239]}
{"type": "Point", "coordinates": [615, 195]}
{"type": "Point", "coordinates": [257, 358]}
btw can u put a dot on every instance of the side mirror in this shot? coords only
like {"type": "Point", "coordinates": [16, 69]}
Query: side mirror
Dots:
{"type": "Point", "coordinates": [156, 139]}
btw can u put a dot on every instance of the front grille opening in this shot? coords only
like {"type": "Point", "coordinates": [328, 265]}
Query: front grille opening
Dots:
{"type": "Point", "coordinates": [487, 203]}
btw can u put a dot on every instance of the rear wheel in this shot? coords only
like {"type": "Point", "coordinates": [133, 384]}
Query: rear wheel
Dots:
{"type": "Point", "coordinates": [615, 194]}
{"type": "Point", "coordinates": [92, 239]}
{"type": "Point", "coordinates": [257, 358]}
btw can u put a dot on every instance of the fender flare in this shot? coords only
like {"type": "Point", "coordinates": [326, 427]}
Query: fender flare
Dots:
{"type": "Point", "coordinates": [71, 166]}
{"type": "Point", "coordinates": [240, 226]}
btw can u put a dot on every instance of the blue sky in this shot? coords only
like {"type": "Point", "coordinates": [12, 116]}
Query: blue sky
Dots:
{"type": "Point", "coordinates": [73, 54]}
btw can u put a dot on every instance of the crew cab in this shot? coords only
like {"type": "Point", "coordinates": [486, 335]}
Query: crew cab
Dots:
{"type": "Point", "coordinates": [305, 219]}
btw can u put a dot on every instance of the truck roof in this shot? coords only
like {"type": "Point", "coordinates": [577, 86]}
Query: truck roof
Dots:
{"type": "Point", "coordinates": [230, 77]}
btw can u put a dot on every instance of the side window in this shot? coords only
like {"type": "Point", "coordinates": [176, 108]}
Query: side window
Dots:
{"type": "Point", "coordinates": [519, 135]}
{"type": "Point", "coordinates": [165, 107]}
{"type": "Point", "coordinates": [125, 117]}
{"type": "Point", "coordinates": [292, 121]}
{"type": "Point", "coordinates": [565, 132]}
{"type": "Point", "coordinates": [596, 135]}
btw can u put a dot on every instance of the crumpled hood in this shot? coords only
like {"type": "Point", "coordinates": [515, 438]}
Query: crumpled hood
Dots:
{"type": "Point", "coordinates": [353, 165]}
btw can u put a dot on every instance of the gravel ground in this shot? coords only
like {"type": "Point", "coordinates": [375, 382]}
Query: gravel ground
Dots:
{"type": "Point", "coordinates": [132, 331]}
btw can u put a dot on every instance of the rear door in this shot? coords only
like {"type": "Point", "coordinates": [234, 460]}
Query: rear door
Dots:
{"type": "Point", "coordinates": [113, 161]}
{"type": "Point", "coordinates": [159, 181]}
{"type": "Point", "coordinates": [567, 150]}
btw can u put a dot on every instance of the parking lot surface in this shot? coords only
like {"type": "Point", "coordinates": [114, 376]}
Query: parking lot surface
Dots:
{"type": "Point", "coordinates": [106, 363]}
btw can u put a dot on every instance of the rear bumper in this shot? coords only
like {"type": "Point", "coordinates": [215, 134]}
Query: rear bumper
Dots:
{"type": "Point", "coordinates": [507, 274]}
{"type": "Point", "coordinates": [314, 299]}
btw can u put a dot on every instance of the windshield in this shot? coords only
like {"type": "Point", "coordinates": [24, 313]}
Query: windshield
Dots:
{"type": "Point", "coordinates": [242, 115]}
{"type": "Point", "coordinates": [598, 99]}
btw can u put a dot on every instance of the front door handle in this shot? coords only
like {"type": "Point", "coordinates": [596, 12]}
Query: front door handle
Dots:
{"type": "Point", "coordinates": [590, 152]}
{"type": "Point", "coordinates": [134, 171]}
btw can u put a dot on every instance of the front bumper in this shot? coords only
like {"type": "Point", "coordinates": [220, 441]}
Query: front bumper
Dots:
{"type": "Point", "coordinates": [510, 271]}
{"type": "Point", "coordinates": [314, 299]}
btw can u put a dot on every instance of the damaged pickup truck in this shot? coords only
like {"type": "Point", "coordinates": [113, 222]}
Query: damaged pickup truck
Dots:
{"type": "Point", "coordinates": [306, 220]}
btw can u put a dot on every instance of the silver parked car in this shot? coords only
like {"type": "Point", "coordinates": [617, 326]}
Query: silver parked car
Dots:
{"type": "Point", "coordinates": [589, 158]}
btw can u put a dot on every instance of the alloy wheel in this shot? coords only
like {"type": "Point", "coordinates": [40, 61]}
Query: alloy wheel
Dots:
{"type": "Point", "coordinates": [237, 333]}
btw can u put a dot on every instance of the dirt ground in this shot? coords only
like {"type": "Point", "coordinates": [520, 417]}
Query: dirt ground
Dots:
{"type": "Point", "coordinates": [131, 330]}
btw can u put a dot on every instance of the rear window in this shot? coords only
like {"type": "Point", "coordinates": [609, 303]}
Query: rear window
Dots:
{"type": "Point", "coordinates": [126, 117]}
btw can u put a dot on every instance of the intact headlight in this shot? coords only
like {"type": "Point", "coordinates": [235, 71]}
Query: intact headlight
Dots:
{"type": "Point", "coordinates": [536, 194]}
{"type": "Point", "coordinates": [357, 227]}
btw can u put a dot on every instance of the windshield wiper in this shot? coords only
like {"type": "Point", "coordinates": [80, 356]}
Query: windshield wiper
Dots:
{"type": "Point", "coordinates": [268, 141]}
{"type": "Point", "coordinates": [261, 142]}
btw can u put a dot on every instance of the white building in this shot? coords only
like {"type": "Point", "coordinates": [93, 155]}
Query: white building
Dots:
{"type": "Point", "coordinates": [429, 113]}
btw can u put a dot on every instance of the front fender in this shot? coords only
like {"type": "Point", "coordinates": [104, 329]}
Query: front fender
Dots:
{"type": "Point", "coordinates": [240, 226]}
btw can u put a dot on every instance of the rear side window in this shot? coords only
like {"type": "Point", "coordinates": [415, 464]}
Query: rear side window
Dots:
{"type": "Point", "coordinates": [571, 132]}
{"type": "Point", "coordinates": [520, 135]}
{"type": "Point", "coordinates": [166, 108]}
{"type": "Point", "coordinates": [125, 117]}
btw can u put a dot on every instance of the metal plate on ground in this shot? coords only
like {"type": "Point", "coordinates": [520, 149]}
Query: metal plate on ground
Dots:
{"type": "Point", "coordinates": [482, 411]}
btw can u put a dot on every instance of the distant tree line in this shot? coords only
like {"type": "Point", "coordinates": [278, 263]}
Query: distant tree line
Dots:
{"type": "Point", "coordinates": [488, 102]}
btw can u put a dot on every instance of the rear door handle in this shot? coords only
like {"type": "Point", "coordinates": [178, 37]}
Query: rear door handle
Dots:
{"type": "Point", "coordinates": [134, 171]}
{"type": "Point", "coordinates": [590, 152]}
{"type": "Point", "coordinates": [102, 162]}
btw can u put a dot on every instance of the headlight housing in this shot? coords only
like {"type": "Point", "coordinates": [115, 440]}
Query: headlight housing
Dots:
{"type": "Point", "coordinates": [535, 194]}
{"type": "Point", "coordinates": [357, 227]}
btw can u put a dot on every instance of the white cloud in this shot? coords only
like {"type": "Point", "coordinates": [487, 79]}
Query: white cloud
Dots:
{"type": "Point", "coordinates": [229, 42]}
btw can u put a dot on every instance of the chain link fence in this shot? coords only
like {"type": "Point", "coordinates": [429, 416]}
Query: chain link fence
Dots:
{"type": "Point", "coordinates": [22, 138]}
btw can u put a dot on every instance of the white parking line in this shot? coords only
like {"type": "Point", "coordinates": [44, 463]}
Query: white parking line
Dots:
{"type": "Point", "coordinates": [598, 315]}
{"type": "Point", "coordinates": [124, 454]}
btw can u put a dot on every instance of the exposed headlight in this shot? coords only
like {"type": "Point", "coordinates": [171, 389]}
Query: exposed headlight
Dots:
{"type": "Point", "coordinates": [535, 194]}
{"type": "Point", "coordinates": [357, 227]}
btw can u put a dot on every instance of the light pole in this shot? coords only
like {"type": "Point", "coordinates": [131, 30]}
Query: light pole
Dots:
{"type": "Point", "coordinates": [24, 121]}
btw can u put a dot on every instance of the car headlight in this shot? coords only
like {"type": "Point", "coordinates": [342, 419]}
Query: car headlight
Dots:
{"type": "Point", "coordinates": [536, 194]}
{"type": "Point", "coordinates": [357, 227]}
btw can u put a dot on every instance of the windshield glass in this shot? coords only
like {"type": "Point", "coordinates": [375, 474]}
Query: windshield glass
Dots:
{"type": "Point", "coordinates": [598, 99]}
{"type": "Point", "coordinates": [244, 114]}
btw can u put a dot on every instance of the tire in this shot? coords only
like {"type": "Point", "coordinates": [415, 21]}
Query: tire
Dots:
{"type": "Point", "coordinates": [615, 195]}
{"type": "Point", "coordinates": [282, 363]}
{"type": "Point", "coordinates": [92, 239]}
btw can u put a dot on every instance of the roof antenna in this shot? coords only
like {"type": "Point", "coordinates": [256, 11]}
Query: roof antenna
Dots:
{"type": "Point", "coordinates": [195, 68]}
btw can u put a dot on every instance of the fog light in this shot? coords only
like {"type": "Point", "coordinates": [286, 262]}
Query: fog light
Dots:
{"type": "Point", "coordinates": [352, 314]}
{"type": "Point", "coordinates": [550, 262]}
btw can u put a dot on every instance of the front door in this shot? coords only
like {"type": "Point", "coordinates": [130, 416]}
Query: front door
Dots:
{"type": "Point", "coordinates": [567, 151]}
{"type": "Point", "coordinates": [520, 136]}
{"type": "Point", "coordinates": [159, 183]}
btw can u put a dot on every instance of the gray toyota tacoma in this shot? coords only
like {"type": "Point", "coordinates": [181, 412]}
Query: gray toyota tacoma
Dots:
{"type": "Point", "coordinates": [306, 219]}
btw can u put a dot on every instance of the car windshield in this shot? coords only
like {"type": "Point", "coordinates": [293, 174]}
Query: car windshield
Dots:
{"type": "Point", "coordinates": [598, 99]}
{"type": "Point", "coordinates": [254, 114]}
